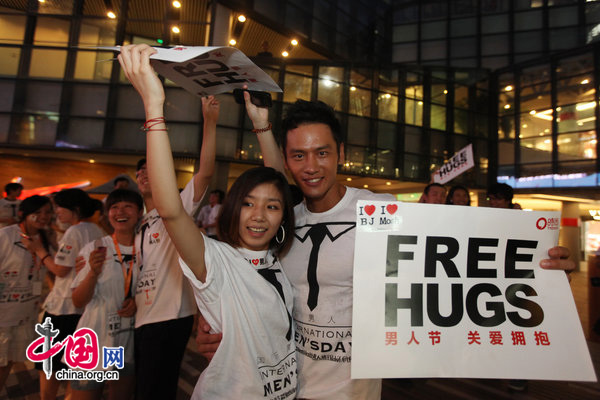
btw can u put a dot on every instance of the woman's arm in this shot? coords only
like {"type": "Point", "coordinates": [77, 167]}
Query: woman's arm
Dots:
{"type": "Point", "coordinates": [135, 61]}
{"type": "Point", "coordinates": [210, 113]}
{"type": "Point", "coordinates": [35, 245]}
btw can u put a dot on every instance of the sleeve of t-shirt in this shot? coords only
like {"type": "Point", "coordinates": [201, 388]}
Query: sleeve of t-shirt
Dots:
{"type": "Point", "coordinates": [187, 198]}
{"type": "Point", "coordinates": [207, 294]}
{"type": "Point", "coordinates": [68, 248]}
{"type": "Point", "coordinates": [85, 253]}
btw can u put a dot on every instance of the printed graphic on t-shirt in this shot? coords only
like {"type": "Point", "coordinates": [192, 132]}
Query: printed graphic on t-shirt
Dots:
{"type": "Point", "coordinates": [279, 381]}
{"type": "Point", "coordinates": [147, 284]}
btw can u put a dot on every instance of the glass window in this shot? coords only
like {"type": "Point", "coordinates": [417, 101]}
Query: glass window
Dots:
{"type": "Point", "coordinates": [461, 96]}
{"type": "Point", "coordinates": [506, 127]}
{"type": "Point", "coordinates": [360, 102]}
{"type": "Point", "coordinates": [12, 28]}
{"type": "Point", "coordinates": [358, 131]}
{"type": "Point", "coordinates": [575, 65]}
{"type": "Point", "coordinates": [535, 97]}
{"type": "Point", "coordinates": [576, 117]}
{"type": "Point", "coordinates": [4, 127]}
{"type": "Point", "coordinates": [578, 167]}
{"type": "Point", "coordinates": [414, 112]}
{"type": "Point", "coordinates": [227, 143]}
{"type": "Point", "coordinates": [296, 87]}
{"type": "Point", "coordinates": [481, 124]}
{"type": "Point", "coordinates": [181, 105]}
{"type": "Point", "coordinates": [580, 145]}
{"type": "Point", "coordinates": [55, 7]}
{"type": "Point", "coordinates": [537, 74]}
{"type": "Point", "coordinates": [185, 138]}
{"type": "Point", "coordinates": [321, 33]}
{"type": "Point", "coordinates": [413, 166]}
{"type": "Point", "coordinates": [232, 116]}
{"type": "Point", "coordinates": [361, 77]}
{"type": "Point", "coordinates": [386, 135]}
{"type": "Point", "coordinates": [438, 117]}
{"type": "Point", "coordinates": [96, 32]}
{"type": "Point", "coordinates": [126, 136]}
{"type": "Point", "coordinates": [83, 133]}
{"type": "Point", "coordinates": [89, 100]}
{"type": "Point", "coordinates": [355, 159]}
{"type": "Point", "coordinates": [48, 63]}
{"type": "Point", "coordinates": [463, 27]}
{"type": "Point", "coordinates": [404, 33]}
{"type": "Point", "coordinates": [506, 153]}
{"type": "Point", "coordinates": [35, 130]}
{"type": "Point", "coordinates": [494, 44]}
{"type": "Point", "coordinates": [439, 92]}
{"type": "Point", "coordinates": [433, 50]}
{"type": "Point", "coordinates": [414, 86]}
{"type": "Point", "coordinates": [575, 89]}
{"type": "Point", "coordinates": [412, 139]}
{"type": "Point", "coordinates": [43, 97]}
{"type": "Point", "coordinates": [494, 23]}
{"type": "Point", "coordinates": [506, 103]}
{"type": "Point", "coordinates": [7, 88]}
{"type": "Point", "coordinates": [91, 65]}
{"type": "Point", "coordinates": [537, 124]}
{"type": "Point", "coordinates": [562, 16]}
{"type": "Point", "coordinates": [433, 30]}
{"type": "Point", "coordinates": [51, 31]}
{"type": "Point", "coordinates": [404, 52]}
{"type": "Point", "coordinates": [562, 39]}
{"type": "Point", "coordinates": [536, 150]}
{"type": "Point", "coordinates": [460, 48]}
{"type": "Point", "coordinates": [330, 92]}
{"type": "Point", "coordinates": [250, 148]}
{"type": "Point", "coordinates": [129, 104]}
{"type": "Point", "coordinates": [272, 9]}
{"type": "Point", "coordinates": [530, 20]}
{"type": "Point", "coordinates": [463, 7]}
{"type": "Point", "coordinates": [461, 121]}
{"type": "Point", "coordinates": [492, 6]}
{"type": "Point", "coordinates": [10, 61]}
{"type": "Point", "coordinates": [433, 10]}
{"type": "Point", "coordinates": [385, 162]}
{"type": "Point", "coordinates": [460, 142]}
{"type": "Point", "coordinates": [526, 42]}
{"type": "Point", "coordinates": [494, 62]}
{"type": "Point", "coordinates": [387, 106]}
{"type": "Point", "coordinates": [298, 20]}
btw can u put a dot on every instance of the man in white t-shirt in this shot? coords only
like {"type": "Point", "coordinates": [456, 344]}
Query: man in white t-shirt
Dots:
{"type": "Point", "coordinates": [9, 206]}
{"type": "Point", "coordinates": [207, 218]}
{"type": "Point", "coordinates": [320, 263]}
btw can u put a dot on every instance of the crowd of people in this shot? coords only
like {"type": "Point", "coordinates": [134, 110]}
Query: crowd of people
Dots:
{"type": "Point", "coordinates": [259, 268]}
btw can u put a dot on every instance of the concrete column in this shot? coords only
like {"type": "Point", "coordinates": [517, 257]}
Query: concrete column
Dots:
{"type": "Point", "coordinates": [221, 22]}
{"type": "Point", "coordinates": [569, 236]}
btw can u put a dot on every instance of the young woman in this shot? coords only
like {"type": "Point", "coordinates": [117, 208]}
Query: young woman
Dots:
{"type": "Point", "coordinates": [73, 207]}
{"type": "Point", "coordinates": [105, 288]}
{"type": "Point", "coordinates": [24, 249]}
{"type": "Point", "coordinates": [458, 195]}
{"type": "Point", "coordinates": [238, 282]}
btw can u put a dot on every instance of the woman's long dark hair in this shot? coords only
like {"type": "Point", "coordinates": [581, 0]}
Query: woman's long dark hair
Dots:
{"type": "Point", "coordinates": [31, 205]}
{"type": "Point", "coordinates": [229, 215]}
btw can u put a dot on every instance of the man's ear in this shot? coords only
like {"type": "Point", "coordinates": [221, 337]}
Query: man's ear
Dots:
{"type": "Point", "coordinates": [341, 157]}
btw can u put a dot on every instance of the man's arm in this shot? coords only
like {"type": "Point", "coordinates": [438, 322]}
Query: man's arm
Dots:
{"type": "Point", "coordinates": [210, 112]}
{"type": "Point", "coordinates": [207, 343]}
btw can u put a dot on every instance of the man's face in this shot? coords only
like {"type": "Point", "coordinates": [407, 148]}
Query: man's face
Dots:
{"type": "Point", "coordinates": [141, 177]}
{"type": "Point", "coordinates": [498, 201]}
{"type": "Point", "coordinates": [436, 195]}
{"type": "Point", "coordinates": [311, 156]}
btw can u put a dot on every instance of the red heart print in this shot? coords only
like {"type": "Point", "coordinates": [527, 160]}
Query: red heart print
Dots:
{"type": "Point", "coordinates": [15, 296]}
{"type": "Point", "coordinates": [69, 247]}
{"type": "Point", "coordinates": [255, 261]}
{"type": "Point", "coordinates": [370, 209]}
{"type": "Point", "coordinates": [391, 208]}
{"type": "Point", "coordinates": [155, 235]}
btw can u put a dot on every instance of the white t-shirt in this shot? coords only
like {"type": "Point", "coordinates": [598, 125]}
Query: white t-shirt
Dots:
{"type": "Point", "coordinates": [208, 215]}
{"type": "Point", "coordinates": [257, 357]}
{"type": "Point", "coordinates": [161, 292]}
{"type": "Point", "coordinates": [21, 277]}
{"type": "Point", "coordinates": [59, 300]}
{"type": "Point", "coordinates": [324, 334]}
{"type": "Point", "coordinates": [100, 313]}
{"type": "Point", "coordinates": [8, 208]}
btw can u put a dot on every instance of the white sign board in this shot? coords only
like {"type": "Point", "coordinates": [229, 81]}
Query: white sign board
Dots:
{"type": "Point", "coordinates": [453, 291]}
{"type": "Point", "coordinates": [459, 163]}
{"type": "Point", "coordinates": [209, 70]}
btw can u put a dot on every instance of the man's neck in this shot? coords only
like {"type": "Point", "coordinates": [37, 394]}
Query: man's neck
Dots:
{"type": "Point", "coordinates": [149, 203]}
{"type": "Point", "coordinates": [124, 238]}
{"type": "Point", "coordinates": [328, 201]}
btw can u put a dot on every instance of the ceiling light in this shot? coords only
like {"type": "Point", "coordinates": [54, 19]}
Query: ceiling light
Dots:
{"type": "Point", "coordinates": [353, 88]}
{"type": "Point", "coordinates": [285, 53]}
{"type": "Point", "coordinates": [506, 106]}
{"type": "Point", "coordinates": [111, 15]}
{"type": "Point", "coordinates": [366, 186]}
{"type": "Point", "coordinates": [175, 29]}
{"type": "Point", "coordinates": [585, 81]}
{"type": "Point", "coordinates": [294, 42]}
{"type": "Point", "coordinates": [349, 179]}
{"type": "Point", "coordinates": [176, 4]}
{"type": "Point", "coordinates": [388, 183]}
{"type": "Point", "coordinates": [508, 88]}
{"type": "Point", "coordinates": [242, 18]}
{"type": "Point", "coordinates": [232, 42]}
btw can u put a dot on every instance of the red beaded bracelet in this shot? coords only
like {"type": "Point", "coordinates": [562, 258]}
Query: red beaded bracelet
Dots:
{"type": "Point", "coordinates": [268, 128]}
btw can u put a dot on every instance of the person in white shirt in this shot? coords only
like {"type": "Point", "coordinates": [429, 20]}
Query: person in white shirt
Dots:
{"type": "Point", "coordinates": [9, 205]}
{"type": "Point", "coordinates": [238, 282]}
{"type": "Point", "coordinates": [24, 248]}
{"type": "Point", "coordinates": [207, 218]}
{"type": "Point", "coordinates": [73, 207]}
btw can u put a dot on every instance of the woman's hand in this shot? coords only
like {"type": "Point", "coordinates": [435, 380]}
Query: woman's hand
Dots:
{"type": "Point", "coordinates": [258, 115]}
{"type": "Point", "coordinates": [96, 260]}
{"type": "Point", "coordinates": [135, 61]}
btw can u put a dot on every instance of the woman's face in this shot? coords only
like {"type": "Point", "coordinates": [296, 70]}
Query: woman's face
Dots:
{"type": "Point", "coordinates": [123, 216]}
{"type": "Point", "coordinates": [65, 215]}
{"type": "Point", "coordinates": [460, 198]}
{"type": "Point", "coordinates": [260, 217]}
{"type": "Point", "coordinates": [39, 219]}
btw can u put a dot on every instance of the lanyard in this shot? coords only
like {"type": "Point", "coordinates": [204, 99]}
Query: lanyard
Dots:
{"type": "Point", "coordinates": [126, 274]}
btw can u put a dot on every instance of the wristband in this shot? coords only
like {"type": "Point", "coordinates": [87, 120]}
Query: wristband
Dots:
{"type": "Point", "coordinates": [268, 128]}
{"type": "Point", "coordinates": [148, 125]}
{"type": "Point", "coordinates": [43, 258]}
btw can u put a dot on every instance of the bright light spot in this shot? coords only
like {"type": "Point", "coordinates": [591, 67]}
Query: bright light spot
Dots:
{"type": "Point", "coordinates": [242, 18]}
{"type": "Point", "coordinates": [524, 125]}
{"type": "Point", "coordinates": [92, 161]}
{"type": "Point", "coordinates": [349, 179]}
{"type": "Point", "coordinates": [353, 88]}
{"type": "Point", "coordinates": [532, 112]}
{"type": "Point", "coordinates": [285, 53]}
{"type": "Point", "coordinates": [388, 96]}
{"type": "Point", "coordinates": [388, 183]}
{"type": "Point", "coordinates": [175, 29]}
{"type": "Point", "coordinates": [508, 88]}
{"type": "Point", "coordinates": [547, 141]}
{"type": "Point", "coordinates": [111, 15]}
{"type": "Point", "coordinates": [585, 81]}
{"type": "Point", "coordinates": [420, 103]}
{"type": "Point", "coordinates": [585, 106]}
{"type": "Point", "coordinates": [176, 4]}
{"type": "Point", "coordinates": [294, 42]}
{"type": "Point", "coordinates": [445, 91]}
{"type": "Point", "coordinates": [366, 186]}
{"type": "Point", "coordinates": [328, 83]}
{"type": "Point", "coordinates": [232, 42]}
{"type": "Point", "coordinates": [506, 106]}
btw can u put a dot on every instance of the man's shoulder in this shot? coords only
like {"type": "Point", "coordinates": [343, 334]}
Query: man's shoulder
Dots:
{"type": "Point", "coordinates": [365, 194]}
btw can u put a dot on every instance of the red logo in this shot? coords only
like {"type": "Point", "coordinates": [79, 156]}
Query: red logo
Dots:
{"type": "Point", "coordinates": [391, 208]}
{"type": "Point", "coordinates": [541, 223]}
{"type": "Point", "coordinates": [255, 261]}
{"type": "Point", "coordinates": [370, 209]}
{"type": "Point", "coordinates": [155, 235]}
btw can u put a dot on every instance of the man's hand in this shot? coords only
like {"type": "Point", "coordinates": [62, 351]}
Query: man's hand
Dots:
{"type": "Point", "coordinates": [207, 343]}
{"type": "Point", "coordinates": [210, 109]}
{"type": "Point", "coordinates": [559, 260]}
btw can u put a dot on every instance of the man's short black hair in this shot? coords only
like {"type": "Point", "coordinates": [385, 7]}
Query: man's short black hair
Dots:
{"type": "Point", "coordinates": [434, 184]}
{"type": "Point", "coordinates": [501, 190]}
{"type": "Point", "coordinates": [310, 112]}
{"type": "Point", "coordinates": [12, 187]}
{"type": "Point", "coordinates": [140, 164]}
{"type": "Point", "coordinates": [120, 179]}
